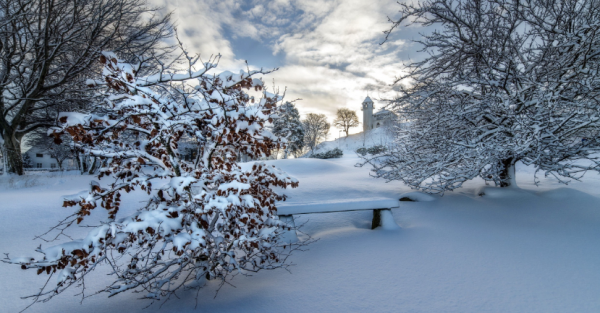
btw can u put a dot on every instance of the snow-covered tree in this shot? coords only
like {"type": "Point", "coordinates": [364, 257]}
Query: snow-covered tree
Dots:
{"type": "Point", "coordinates": [207, 218]}
{"type": "Point", "coordinates": [505, 81]}
{"type": "Point", "coordinates": [316, 129]}
{"type": "Point", "coordinates": [288, 125]}
{"type": "Point", "coordinates": [345, 119]}
{"type": "Point", "coordinates": [27, 161]}
{"type": "Point", "coordinates": [48, 48]}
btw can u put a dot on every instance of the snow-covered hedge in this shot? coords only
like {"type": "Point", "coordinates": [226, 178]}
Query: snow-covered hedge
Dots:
{"type": "Point", "coordinates": [331, 154]}
{"type": "Point", "coordinates": [371, 150]}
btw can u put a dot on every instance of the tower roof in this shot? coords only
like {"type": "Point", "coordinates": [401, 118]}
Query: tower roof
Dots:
{"type": "Point", "coordinates": [368, 100]}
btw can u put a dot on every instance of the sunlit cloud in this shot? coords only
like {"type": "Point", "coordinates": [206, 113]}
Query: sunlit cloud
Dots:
{"type": "Point", "coordinates": [329, 53]}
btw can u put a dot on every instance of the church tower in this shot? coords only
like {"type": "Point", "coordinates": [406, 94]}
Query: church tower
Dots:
{"type": "Point", "coordinates": [367, 108]}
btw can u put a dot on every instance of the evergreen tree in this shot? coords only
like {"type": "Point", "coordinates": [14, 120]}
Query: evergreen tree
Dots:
{"type": "Point", "coordinates": [27, 161]}
{"type": "Point", "coordinates": [289, 126]}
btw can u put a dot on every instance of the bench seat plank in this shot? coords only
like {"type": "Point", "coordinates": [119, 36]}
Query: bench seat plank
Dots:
{"type": "Point", "coordinates": [337, 206]}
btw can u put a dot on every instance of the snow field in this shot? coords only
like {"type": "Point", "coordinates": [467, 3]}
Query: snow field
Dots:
{"type": "Point", "coordinates": [533, 249]}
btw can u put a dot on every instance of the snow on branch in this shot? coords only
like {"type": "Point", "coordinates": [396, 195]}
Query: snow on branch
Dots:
{"type": "Point", "coordinates": [504, 82]}
{"type": "Point", "coordinates": [205, 217]}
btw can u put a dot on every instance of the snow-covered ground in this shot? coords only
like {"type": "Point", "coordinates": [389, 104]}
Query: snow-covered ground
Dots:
{"type": "Point", "coordinates": [349, 144]}
{"type": "Point", "coordinates": [534, 249]}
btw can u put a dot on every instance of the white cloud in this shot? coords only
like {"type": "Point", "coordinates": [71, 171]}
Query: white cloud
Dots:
{"type": "Point", "coordinates": [332, 49]}
{"type": "Point", "coordinates": [341, 59]}
{"type": "Point", "coordinates": [201, 26]}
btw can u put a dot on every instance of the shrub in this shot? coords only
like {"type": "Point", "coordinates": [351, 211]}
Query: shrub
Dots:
{"type": "Point", "coordinates": [204, 218]}
{"type": "Point", "coordinates": [376, 149]}
{"type": "Point", "coordinates": [371, 150]}
{"type": "Point", "coordinates": [331, 154]}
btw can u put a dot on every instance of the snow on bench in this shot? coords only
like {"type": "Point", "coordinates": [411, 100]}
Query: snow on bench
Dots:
{"type": "Point", "coordinates": [382, 214]}
{"type": "Point", "coordinates": [328, 206]}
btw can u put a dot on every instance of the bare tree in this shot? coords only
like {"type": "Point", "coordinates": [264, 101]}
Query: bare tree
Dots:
{"type": "Point", "coordinates": [48, 47]}
{"type": "Point", "coordinates": [346, 119]}
{"type": "Point", "coordinates": [505, 81]}
{"type": "Point", "coordinates": [316, 129]}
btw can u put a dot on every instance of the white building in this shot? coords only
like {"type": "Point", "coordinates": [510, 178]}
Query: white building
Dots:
{"type": "Point", "coordinates": [42, 159]}
{"type": "Point", "coordinates": [375, 120]}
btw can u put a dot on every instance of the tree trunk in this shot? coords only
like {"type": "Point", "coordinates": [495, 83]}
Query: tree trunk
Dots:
{"type": "Point", "coordinates": [84, 164]}
{"type": "Point", "coordinates": [14, 160]}
{"type": "Point", "coordinates": [93, 166]}
{"type": "Point", "coordinates": [4, 160]}
{"type": "Point", "coordinates": [507, 176]}
{"type": "Point", "coordinates": [78, 160]}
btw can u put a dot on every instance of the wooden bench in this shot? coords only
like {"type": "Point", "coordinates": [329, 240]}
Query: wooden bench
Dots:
{"type": "Point", "coordinates": [382, 214]}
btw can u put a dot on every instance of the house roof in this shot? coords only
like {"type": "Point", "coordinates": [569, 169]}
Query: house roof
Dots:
{"type": "Point", "coordinates": [383, 111]}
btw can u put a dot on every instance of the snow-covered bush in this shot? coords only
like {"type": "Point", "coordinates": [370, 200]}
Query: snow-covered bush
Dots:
{"type": "Point", "coordinates": [331, 154]}
{"type": "Point", "coordinates": [376, 149]}
{"type": "Point", "coordinates": [371, 150]}
{"type": "Point", "coordinates": [503, 82]}
{"type": "Point", "coordinates": [203, 219]}
{"type": "Point", "coordinates": [27, 161]}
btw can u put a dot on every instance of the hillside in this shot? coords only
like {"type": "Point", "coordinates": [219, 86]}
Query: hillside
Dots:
{"type": "Point", "coordinates": [349, 145]}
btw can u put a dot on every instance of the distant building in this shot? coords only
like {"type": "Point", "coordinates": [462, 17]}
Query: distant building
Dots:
{"type": "Point", "coordinates": [42, 159]}
{"type": "Point", "coordinates": [376, 120]}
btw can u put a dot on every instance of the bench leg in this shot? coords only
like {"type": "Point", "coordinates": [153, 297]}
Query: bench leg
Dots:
{"type": "Point", "coordinates": [383, 218]}
{"type": "Point", "coordinates": [376, 219]}
{"type": "Point", "coordinates": [288, 235]}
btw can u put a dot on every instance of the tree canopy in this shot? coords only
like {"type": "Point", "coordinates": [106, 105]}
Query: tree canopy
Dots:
{"type": "Point", "coordinates": [316, 129]}
{"type": "Point", "coordinates": [505, 81]}
{"type": "Point", "coordinates": [288, 125]}
{"type": "Point", "coordinates": [346, 119]}
{"type": "Point", "coordinates": [49, 48]}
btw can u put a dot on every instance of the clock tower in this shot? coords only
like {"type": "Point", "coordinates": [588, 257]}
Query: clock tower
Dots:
{"type": "Point", "coordinates": [367, 108]}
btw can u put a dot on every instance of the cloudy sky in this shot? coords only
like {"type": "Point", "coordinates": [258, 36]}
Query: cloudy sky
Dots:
{"type": "Point", "coordinates": [328, 51]}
